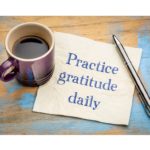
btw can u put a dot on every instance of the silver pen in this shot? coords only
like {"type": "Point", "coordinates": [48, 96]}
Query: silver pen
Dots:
{"type": "Point", "coordinates": [141, 90]}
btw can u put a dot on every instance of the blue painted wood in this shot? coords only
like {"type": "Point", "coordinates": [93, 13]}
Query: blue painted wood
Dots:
{"type": "Point", "coordinates": [16, 101]}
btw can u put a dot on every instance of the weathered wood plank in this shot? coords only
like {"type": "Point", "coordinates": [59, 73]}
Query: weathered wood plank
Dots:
{"type": "Point", "coordinates": [16, 101]}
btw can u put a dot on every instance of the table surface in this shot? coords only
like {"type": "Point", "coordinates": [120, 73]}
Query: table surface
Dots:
{"type": "Point", "coordinates": [16, 101]}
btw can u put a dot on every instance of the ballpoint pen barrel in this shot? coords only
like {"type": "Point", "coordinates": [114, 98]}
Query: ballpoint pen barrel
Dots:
{"type": "Point", "coordinates": [137, 81]}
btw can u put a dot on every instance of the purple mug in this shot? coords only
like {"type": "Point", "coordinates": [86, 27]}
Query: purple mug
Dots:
{"type": "Point", "coordinates": [30, 72]}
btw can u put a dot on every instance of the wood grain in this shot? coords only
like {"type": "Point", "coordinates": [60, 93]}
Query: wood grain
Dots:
{"type": "Point", "coordinates": [16, 101]}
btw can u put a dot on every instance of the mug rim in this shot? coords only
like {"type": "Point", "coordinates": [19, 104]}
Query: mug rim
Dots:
{"type": "Point", "coordinates": [31, 59]}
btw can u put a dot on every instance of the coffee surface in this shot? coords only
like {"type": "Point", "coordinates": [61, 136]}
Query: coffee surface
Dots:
{"type": "Point", "coordinates": [30, 47]}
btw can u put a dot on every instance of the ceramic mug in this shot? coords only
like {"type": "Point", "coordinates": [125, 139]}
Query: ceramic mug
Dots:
{"type": "Point", "coordinates": [30, 72]}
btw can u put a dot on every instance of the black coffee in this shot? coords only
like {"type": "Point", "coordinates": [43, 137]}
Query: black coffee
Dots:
{"type": "Point", "coordinates": [30, 47]}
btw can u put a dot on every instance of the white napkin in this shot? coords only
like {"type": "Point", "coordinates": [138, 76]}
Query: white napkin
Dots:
{"type": "Point", "coordinates": [90, 81]}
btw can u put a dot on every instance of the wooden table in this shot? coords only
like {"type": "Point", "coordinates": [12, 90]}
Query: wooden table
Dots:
{"type": "Point", "coordinates": [16, 101]}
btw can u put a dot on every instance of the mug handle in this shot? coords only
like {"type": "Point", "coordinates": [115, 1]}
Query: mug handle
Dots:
{"type": "Point", "coordinates": [5, 74]}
